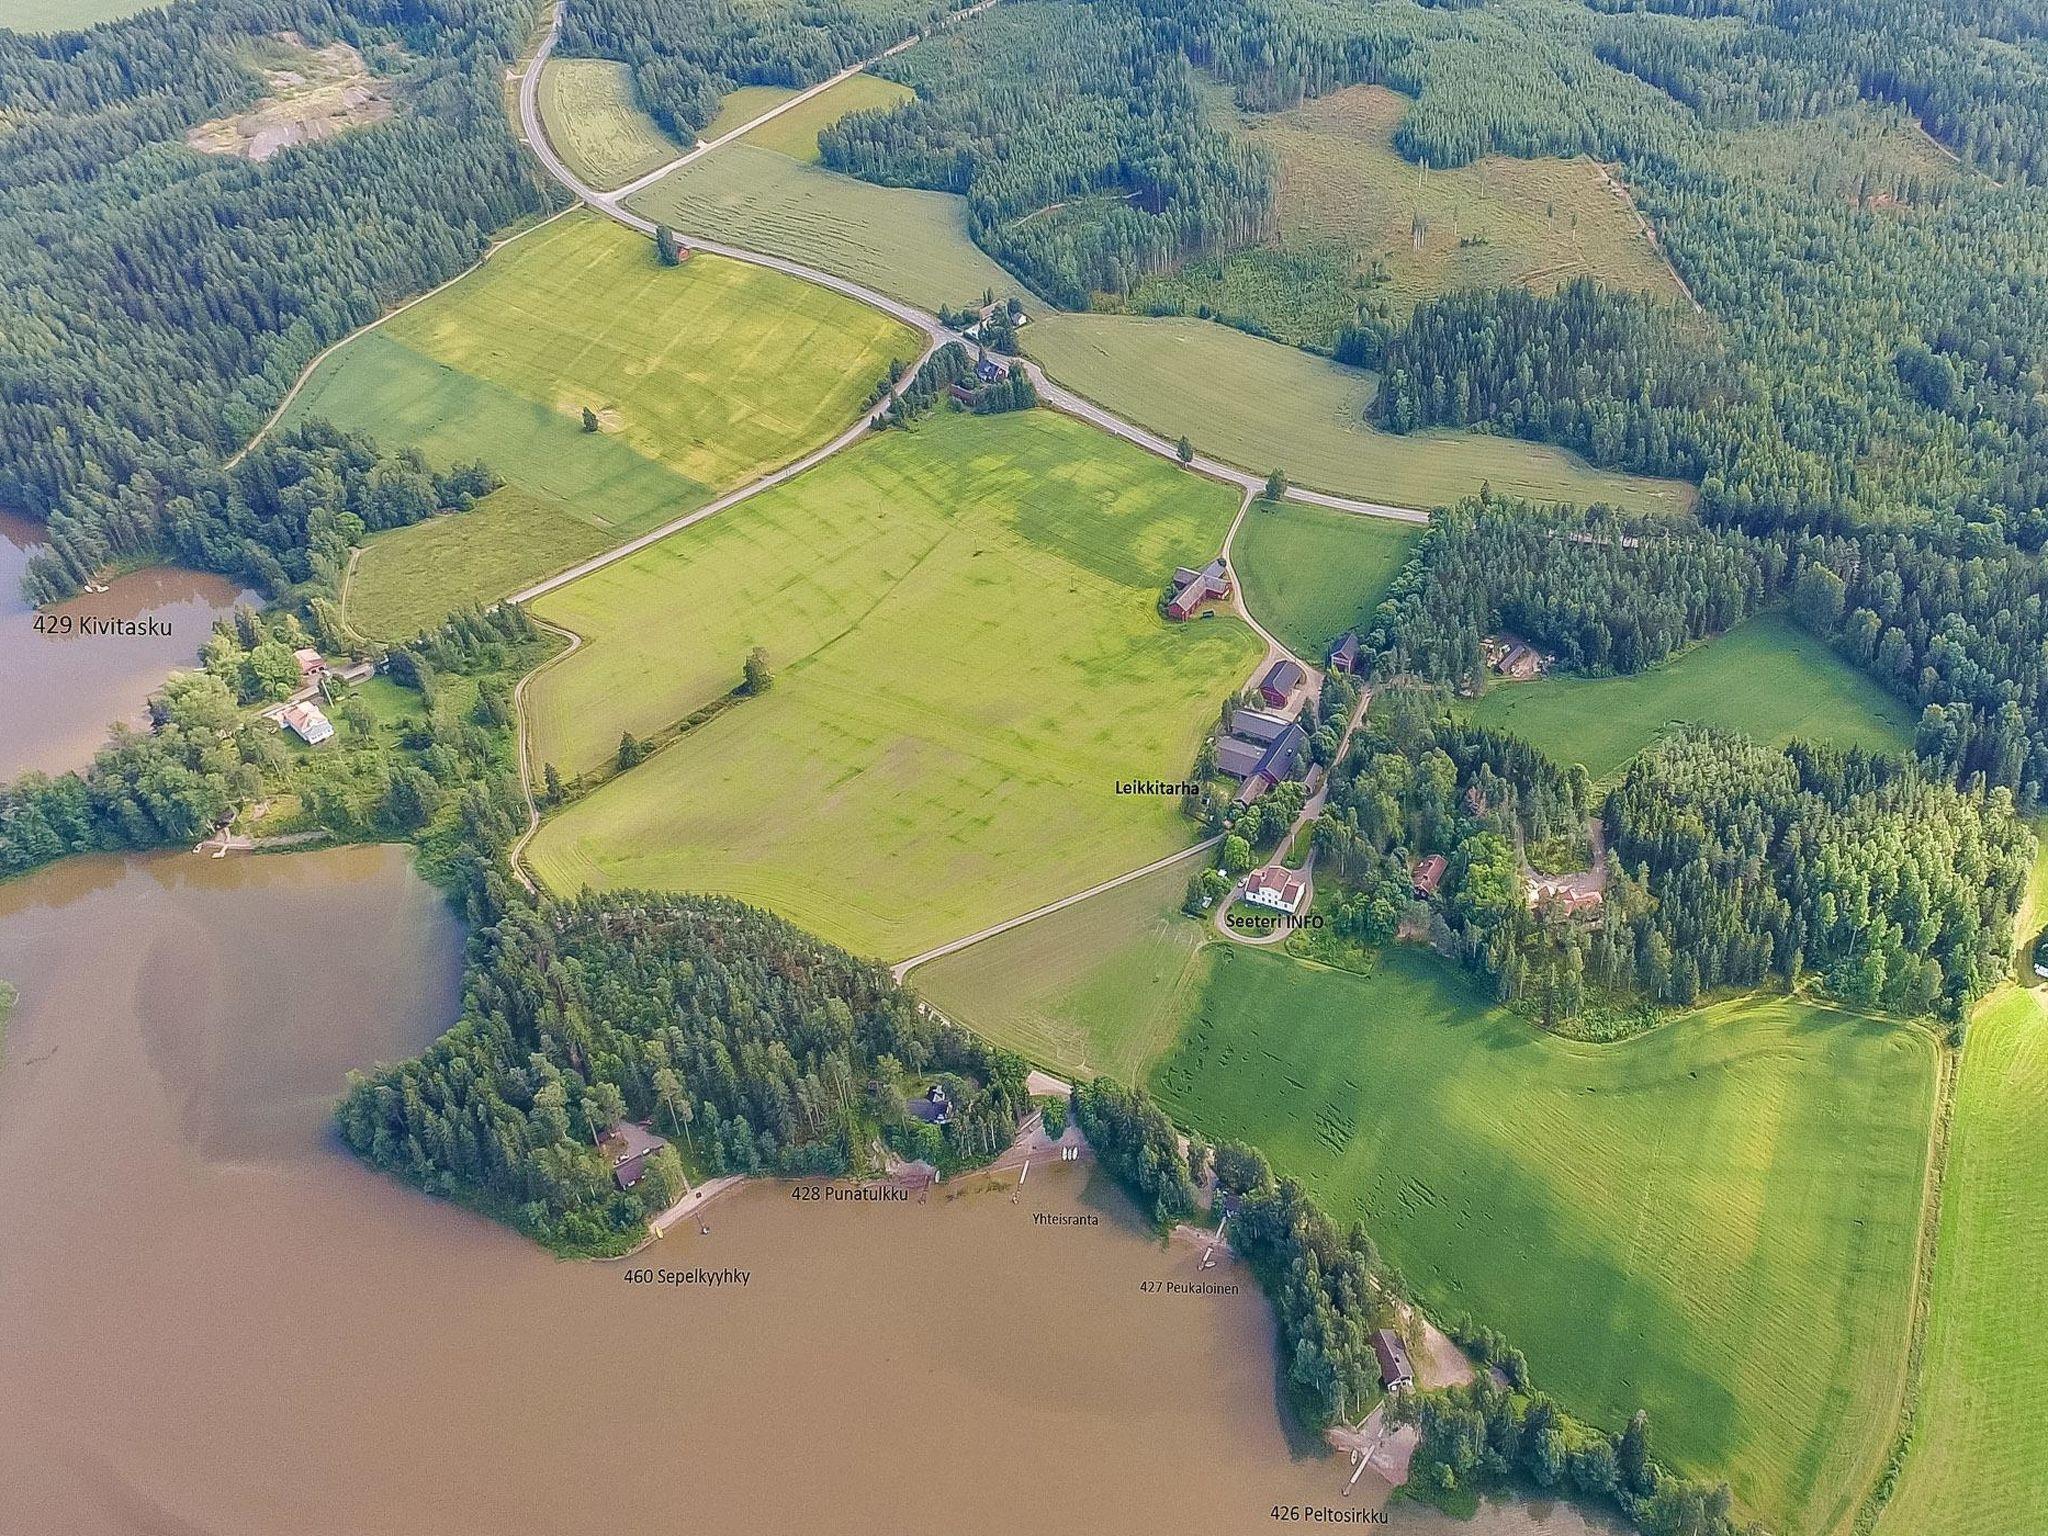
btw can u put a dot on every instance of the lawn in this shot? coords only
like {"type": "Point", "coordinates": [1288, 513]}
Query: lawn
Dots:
{"type": "Point", "coordinates": [53, 15]}
{"type": "Point", "coordinates": [1766, 678]}
{"type": "Point", "coordinates": [1358, 221]}
{"type": "Point", "coordinates": [963, 624]}
{"type": "Point", "coordinates": [1716, 1220]}
{"type": "Point", "coordinates": [1310, 573]}
{"type": "Point", "coordinates": [1102, 987]}
{"type": "Point", "coordinates": [1978, 1462]}
{"type": "Point", "coordinates": [909, 244]}
{"type": "Point", "coordinates": [597, 124]}
{"type": "Point", "coordinates": [1262, 405]}
{"type": "Point", "coordinates": [795, 133]}
{"type": "Point", "coordinates": [703, 377]}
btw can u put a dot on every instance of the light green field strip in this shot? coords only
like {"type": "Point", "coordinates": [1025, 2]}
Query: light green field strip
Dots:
{"type": "Point", "coordinates": [740, 107]}
{"type": "Point", "coordinates": [795, 132]}
{"type": "Point", "coordinates": [1717, 1220]}
{"type": "Point", "coordinates": [1101, 987]}
{"type": "Point", "coordinates": [1262, 405]}
{"type": "Point", "coordinates": [704, 376]}
{"type": "Point", "coordinates": [1978, 1461]}
{"type": "Point", "coordinates": [64, 15]}
{"type": "Point", "coordinates": [948, 723]}
{"type": "Point", "coordinates": [1311, 573]}
{"type": "Point", "coordinates": [910, 245]}
{"type": "Point", "coordinates": [597, 124]}
{"type": "Point", "coordinates": [1766, 678]}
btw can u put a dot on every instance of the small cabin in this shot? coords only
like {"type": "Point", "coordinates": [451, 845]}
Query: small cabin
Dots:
{"type": "Point", "coordinates": [1395, 1371]}
{"type": "Point", "coordinates": [1428, 878]}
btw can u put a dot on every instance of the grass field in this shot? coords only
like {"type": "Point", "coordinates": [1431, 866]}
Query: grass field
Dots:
{"type": "Point", "coordinates": [908, 244]}
{"type": "Point", "coordinates": [1978, 1462]}
{"type": "Point", "coordinates": [1358, 221]}
{"type": "Point", "coordinates": [597, 124]}
{"type": "Point", "coordinates": [1766, 678]}
{"type": "Point", "coordinates": [55, 15]}
{"type": "Point", "coordinates": [1310, 573]}
{"type": "Point", "coordinates": [743, 106]}
{"type": "Point", "coordinates": [704, 376]}
{"type": "Point", "coordinates": [1716, 1220]}
{"type": "Point", "coordinates": [968, 658]}
{"type": "Point", "coordinates": [1258, 404]}
{"type": "Point", "coordinates": [1103, 987]}
{"type": "Point", "coordinates": [795, 133]}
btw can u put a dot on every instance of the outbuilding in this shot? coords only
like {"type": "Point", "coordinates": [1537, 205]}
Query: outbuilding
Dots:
{"type": "Point", "coordinates": [1395, 1371]}
{"type": "Point", "coordinates": [1429, 875]}
{"type": "Point", "coordinates": [1280, 681]}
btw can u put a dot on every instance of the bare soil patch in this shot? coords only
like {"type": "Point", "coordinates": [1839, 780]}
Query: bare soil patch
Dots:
{"type": "Point", "coordinates": [313, 93]}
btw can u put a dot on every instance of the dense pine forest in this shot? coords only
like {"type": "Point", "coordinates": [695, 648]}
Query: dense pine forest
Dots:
{"type": "Point", "coordinates": [156, 301]}
{"type": "Point", "coordinates": [751, 1044]}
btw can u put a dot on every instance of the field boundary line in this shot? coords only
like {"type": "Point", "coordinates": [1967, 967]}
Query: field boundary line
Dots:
{"type": "Point", "coordinates": [523, 746]}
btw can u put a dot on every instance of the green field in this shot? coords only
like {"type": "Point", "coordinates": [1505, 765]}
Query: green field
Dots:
{"type": "Point", "coordinates": [1766, 678]}
{"type": "Point", "coordinates": [1357, 221]}
{"type": "Point", "coordinates": [743, 105]}
{"type": "Point", "coordinates": [911, 245]}
{"type": "Point", "coordinates": [55, 15]}
{"type": "Point", "coordinates": [1102, 987]}
{"type": "Point", "coordinates": [968, 653]}
{"type": "Point", "coordinates": [795, 133]}
{"type": "Point", "coordinates": [1261, 405]}
{"type": "Point", "coordinates": [595, 122]}
{"type": "Point", "coordinates": [1310, 573]}
{"type": "Point", "coordinates": [704, 376]}
{"type": "Point", "coordinates": [1716, 1220]}
{"type": "Point", "coordinates": [1978, 1463]}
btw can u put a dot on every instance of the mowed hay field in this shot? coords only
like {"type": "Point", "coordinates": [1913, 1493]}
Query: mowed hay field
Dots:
{"type": "Point", "coordinates": [1978, 1462]}
{"type": "Point", "coordinates": [1717, 1220]}
{"type": "Point", "coordinates": [1262, 405]}
{"type": "Point", "coordinates": [968, 658]}
{"type": "Point", "coordinates": [911, 245]}
{"type": "Point", "coordinates": [1102, 987]}
{"type": "Point", "coordinates": [704, 377]}
{"type": "Point", "coordinates": [795, 132]}
{"type": "Point", "coordinates": [1766, 678]}
{"type": "Point", "coordinates": [742, 106]}
{"type": "Point", "coordinates": [597, 124]}
{"type": "Point", "coordinates": [1496, 222]}
{"type": "Point", "coordinates": [1310, 573]}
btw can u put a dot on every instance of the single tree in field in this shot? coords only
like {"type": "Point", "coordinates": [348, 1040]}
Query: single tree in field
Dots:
{"type": "Point", "coordinates": [666, 250]}
{"type": "Point", "coordinates": [1185, 450]}
{"type": "Point", "coordinates": [632, 750]}
{"type": "Point", "coordinates": [551, 785]}
{"type": "Point", "coordinates": [590, 422]}
{"type": "Point", "coordinates": [1276, 486]}
{"type": "Point", "coordinates": [759, 678]}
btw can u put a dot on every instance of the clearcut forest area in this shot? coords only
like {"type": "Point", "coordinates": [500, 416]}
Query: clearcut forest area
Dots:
{"type": "Point", "coordinates": [1257, 403]}
{"type": "Point", "coordinates": [963, 624]}
{"type": "Point", "coordinates": [1766, 678]}
{"type": "Point", "coordinates": [590, 115]}
{"type": "Point", "coordinates": [1702, 1204]}
{"type": "Point", "coordinates": [700, 377]}
{"type": "Point", "coordinates": [1311, 573]}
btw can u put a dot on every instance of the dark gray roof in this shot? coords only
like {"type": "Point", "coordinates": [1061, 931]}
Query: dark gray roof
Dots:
{"type": "Point", "coordinates": [1395, 1370]}
{"type": "Point", "coordinates": [626, 1140]}
{"type": "Point", "coordinates": [1283, 676]}
{"type": "Point", "coordinates": [1279, 758]}
{"type": "Point", "coordinates": [1258, 725]}
{"type": "Point", "coordinates": [1345, 651]}
{"type": "Point", "coordinates": [1239, 759]}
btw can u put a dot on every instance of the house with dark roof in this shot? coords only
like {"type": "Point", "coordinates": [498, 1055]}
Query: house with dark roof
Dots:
{"type": "Point", "coordinates": [1344, 654]}
{"type": "Point", "coordinates": [1239, 759]}
{"type": "Point", "coordinates": [989, 371]}
{"type": "Point", "coordinates": [1258, 725]}
{"type": "Point", "coordinates": [629, 1146]}
{"type": "Point", "coordinates": [933, 1107]}
{"type": "Point", "coordinates": [1395, 1371]}
{"type": "Point", "coordinates": [1280, 681]}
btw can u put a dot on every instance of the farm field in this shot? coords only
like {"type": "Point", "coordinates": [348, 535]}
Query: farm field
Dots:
{"type": "Point", "coordinates": [1766, 678]}
{"type": "Point", "coordinates": [968, 657]}
{"type": "Point", "coordinates": [909, 244]}
{"type": "Point", "coordinates": [1347, 199]}
{"type": "Point", "coordinates": [1255, 402]}
{"type": "Point", "coordinates": [593, 118]}
{"type": "Point", "coordinates": [1716, 1220]}
{"type": "Point", "coordinates": [1978, 1462]}
{"type": "Point", "coordinates": [703, 377]}
{"type": "Point", "coordinates": [1310, 573]}
{"type": "Point", "coordinates": [795, 133]}
{"type": "Point", "coordinates": [743, 106]}
{"type": "Point", "coordinates": [1102, 987]}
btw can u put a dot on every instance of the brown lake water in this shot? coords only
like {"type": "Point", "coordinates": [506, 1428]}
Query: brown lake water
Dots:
{"type": "Point", "coordinates": [60, 691]}
{"type": "Point", "coordinates": [213, 1320]}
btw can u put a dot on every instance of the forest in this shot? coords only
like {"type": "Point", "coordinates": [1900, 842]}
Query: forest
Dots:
{"type": "Point", "coordinates": [156, 302]}
{"type": "Point", "coordinates": [757, 1046]}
